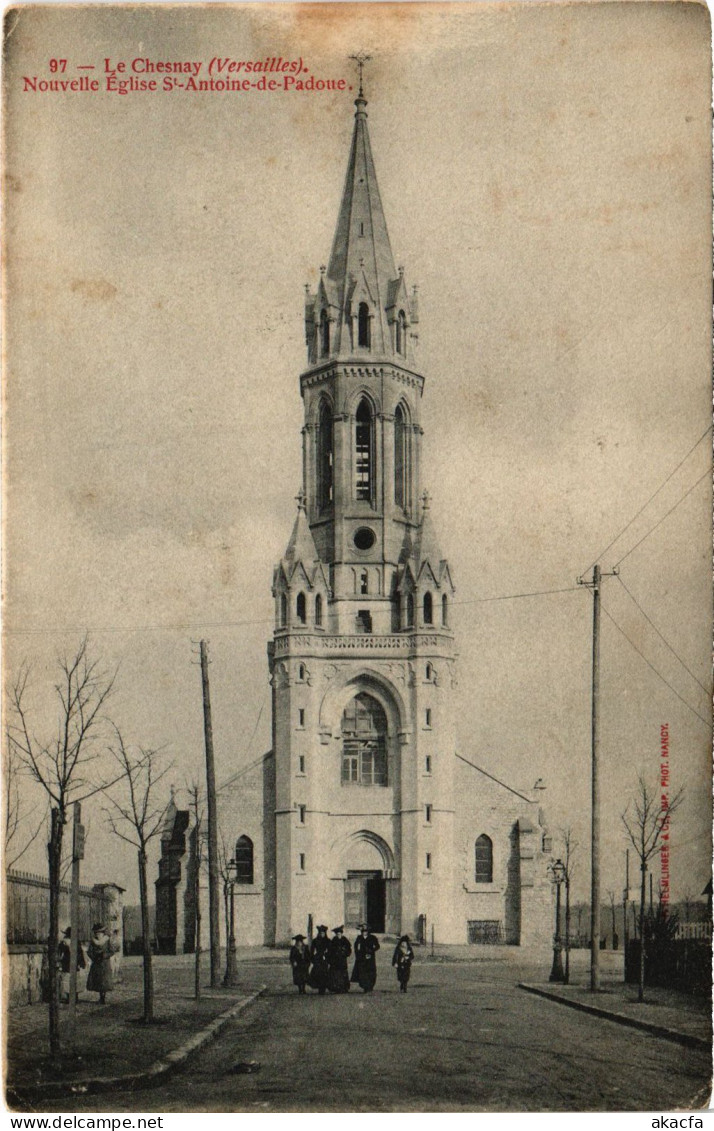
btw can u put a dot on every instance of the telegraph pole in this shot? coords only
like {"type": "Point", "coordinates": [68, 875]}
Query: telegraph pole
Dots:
{"type": "Point", "coordinates": [213, 878]}
{"type": "Point", "coordinates": [595, 783]}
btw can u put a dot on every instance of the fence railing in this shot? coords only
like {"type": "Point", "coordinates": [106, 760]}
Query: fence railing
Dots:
{"type": "Point", "coordinates": [27, 908]}
{"type": "Point", "coordinates": [694, 930]}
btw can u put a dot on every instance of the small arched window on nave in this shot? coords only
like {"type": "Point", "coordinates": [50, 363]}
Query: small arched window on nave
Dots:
{"type": "Point", "coordinates": [244, 860]}
{"type": "Point", "coordinates": [483, 870]}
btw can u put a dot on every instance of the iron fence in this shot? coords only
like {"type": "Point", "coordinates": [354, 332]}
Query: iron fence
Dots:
{"type": "Point", "coordinates": [28, 908]}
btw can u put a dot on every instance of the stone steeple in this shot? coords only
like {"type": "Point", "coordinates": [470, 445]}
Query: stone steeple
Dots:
{"type": "Point", "coordinates": [361, 259]}
{"type": "Point", "coordinates": [361, 275]}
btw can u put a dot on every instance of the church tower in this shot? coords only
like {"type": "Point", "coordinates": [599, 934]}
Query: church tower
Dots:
{"type": "Point", "coordinates": [362, 660]}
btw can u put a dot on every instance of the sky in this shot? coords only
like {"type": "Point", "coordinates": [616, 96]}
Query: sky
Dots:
{"type": "Point", "coordinates": [545, 175]}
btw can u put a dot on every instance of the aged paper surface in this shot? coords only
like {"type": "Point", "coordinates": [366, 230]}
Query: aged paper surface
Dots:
{"type": "Point", "coordinates": [173, 181]}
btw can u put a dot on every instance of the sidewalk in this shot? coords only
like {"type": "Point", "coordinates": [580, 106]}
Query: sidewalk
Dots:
{"type": "Point", "coordinates": [679, 1017]}
{"type": "Point", "coordinates": [111, 1041]}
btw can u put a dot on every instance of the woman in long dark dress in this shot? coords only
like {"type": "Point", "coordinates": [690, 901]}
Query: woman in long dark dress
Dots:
{"type": "Point", "coordinates": [300, 962]}
{"type": "Point", "coordinates": [365, 967]}
{"type": "Point", "coordinates": [320, 958]}
{"type": "Point", "coordinates": [402, 959]}
{"type": "Point", "coordinates": [100, 950]}
{"type": "Point", "coordinates": [340, 950]}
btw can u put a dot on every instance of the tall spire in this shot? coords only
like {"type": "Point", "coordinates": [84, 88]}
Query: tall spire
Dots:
{"type": "Point", "coordinates": [361, 264]}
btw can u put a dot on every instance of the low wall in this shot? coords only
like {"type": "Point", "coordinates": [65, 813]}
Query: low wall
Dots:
{"type": "Point", "coordinates": [23, 964]}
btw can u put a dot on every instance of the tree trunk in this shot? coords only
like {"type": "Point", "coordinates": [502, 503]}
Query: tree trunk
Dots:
{"type": "Point", "coordinates": [54, 852]}
{"type": "Point", "coordinates": [226, 912]}
{"type": "Point", "coordinates": [643, 888]}
{"type": "Point", "coordinates": [146, 941]}
{"type": "Point", "coordinates": [567, 931]}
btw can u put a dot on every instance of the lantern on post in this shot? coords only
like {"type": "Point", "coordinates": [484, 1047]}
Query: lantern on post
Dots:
{"type": "Point", "coordinates": [231, 978]}
{"type": "Point", "coordinates": [556, 870]}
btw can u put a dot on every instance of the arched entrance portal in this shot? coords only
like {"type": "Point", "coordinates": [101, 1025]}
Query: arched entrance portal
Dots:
{"type": "Point", "coordinates": [368, 864]}
{"type": "Point", "coordinates": [366, 900]}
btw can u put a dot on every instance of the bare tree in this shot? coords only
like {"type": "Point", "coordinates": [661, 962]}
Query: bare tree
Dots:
{"type": "Point", "coordinates": [569, 846]}
{"type": "Point", "coordinates": [137, 820]}
{"type": "Point", "coordinates": [62, 765]}
{"type": "Point", "coordinates": [22, 825]}
{"type": "Point", "coordinates": [646, 820]}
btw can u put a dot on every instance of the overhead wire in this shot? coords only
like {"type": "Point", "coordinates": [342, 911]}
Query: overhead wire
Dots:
{"type": "Point", "coordinates": [649, 500]}
{"type": "Point", "coordinates": [659, 675]}
{"type": "Point", "coordinates": [193, 627]}
{"type": "Point", "coordinates": [664, 516]}
{"type": "Point", "coordinates": [662, 638]}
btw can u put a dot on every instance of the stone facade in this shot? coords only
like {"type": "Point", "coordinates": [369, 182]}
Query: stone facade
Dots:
{"type": "Point", "coordinates": [365, 809]}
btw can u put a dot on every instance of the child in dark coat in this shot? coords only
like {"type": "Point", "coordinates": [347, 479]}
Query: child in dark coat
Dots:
{"type": "Point", "coordinates": [402, 959]}
{"type": "Point", "coordinates": [300, 962]}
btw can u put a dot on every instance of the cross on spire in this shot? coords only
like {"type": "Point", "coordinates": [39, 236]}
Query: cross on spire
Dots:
{"type": "Point", "coordinates": [301, 499]}
{"type": "Point", "coordinates": [425, 500]}
{"type": "Point", "coordinates": [360, 59]}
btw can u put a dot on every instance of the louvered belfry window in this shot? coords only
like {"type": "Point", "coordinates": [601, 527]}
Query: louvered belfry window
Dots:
{"type": "Point", "coordinates": [363, 452]}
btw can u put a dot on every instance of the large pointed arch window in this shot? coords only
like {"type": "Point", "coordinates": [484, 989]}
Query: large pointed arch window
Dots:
{"type": "Point", "coordinates": [364, 448]}
{"type": "Point", "coordinates": [402, 458]}
{"type": "Point", "coordinates": [364, 742]}
{"type": "Point", "coordinates": [324, 456]}
{"type": "Point", "coordinates": [244, 860]}
{"type": "Point", "coordinates": [363, 334]}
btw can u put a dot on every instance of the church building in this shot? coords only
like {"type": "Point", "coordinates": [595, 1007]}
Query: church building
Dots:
{"type": "Point", "coordinates": [366, 809]}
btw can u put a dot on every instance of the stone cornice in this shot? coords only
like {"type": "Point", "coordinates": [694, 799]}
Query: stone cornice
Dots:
{"type": "Point", "coordinates": [361, 371]}
{"type": "Point", "coordinates": [368, 645]}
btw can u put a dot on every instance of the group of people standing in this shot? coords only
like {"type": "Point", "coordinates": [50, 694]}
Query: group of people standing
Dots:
{"type": "Point", "coordinates": [324, 964]}
{"type": "Point", "coordinates": [100, 950]}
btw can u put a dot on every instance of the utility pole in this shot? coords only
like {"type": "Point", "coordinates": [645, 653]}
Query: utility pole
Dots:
{"type": "Point", "coordinates": [213, 877]}
{"type": "Point", "coordinates": [595, 783]}
{"type": "Point", "coordinates": [77, 856]}
{"type": "Point", "coordinates": [625, 897]}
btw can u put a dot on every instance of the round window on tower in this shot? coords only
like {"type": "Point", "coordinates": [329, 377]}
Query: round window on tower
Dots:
{"type": "Point", "coordinates": [364, 538]}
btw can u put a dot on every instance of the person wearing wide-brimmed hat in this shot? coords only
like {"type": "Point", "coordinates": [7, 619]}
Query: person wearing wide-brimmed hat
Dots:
{"type": "Point", "coordinates": [320, 958]}
{"type": "Point", "coordinates": [402, 959]}
{"type": "Point", "coordinates": [100, 950]}
{"type": "Point", "coordinates": [365, 967]}
{"type": "Point", "coordinates": [340, 950]}
{"type": "Point", "coordinates": [300, 962]}
{"type": "Point", "coordinates": [63, 955]}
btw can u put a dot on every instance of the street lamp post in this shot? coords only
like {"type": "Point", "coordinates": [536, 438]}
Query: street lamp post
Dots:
{"type": "Point", "coordinates": [231, 978]}
{"type": "Point", "coordinates": [557, 875]}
